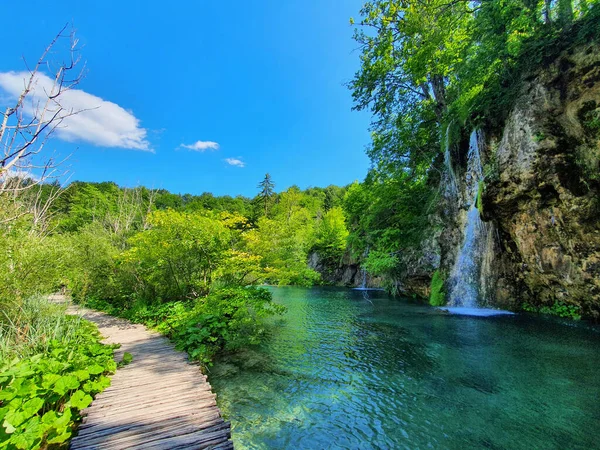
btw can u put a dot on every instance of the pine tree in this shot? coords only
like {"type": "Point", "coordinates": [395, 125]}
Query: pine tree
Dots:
{"type": "Point", "coordinates": [266, 193]}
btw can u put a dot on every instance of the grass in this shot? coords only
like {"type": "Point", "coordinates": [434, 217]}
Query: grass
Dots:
{"type": "Point", "coordinates": [29, 327]}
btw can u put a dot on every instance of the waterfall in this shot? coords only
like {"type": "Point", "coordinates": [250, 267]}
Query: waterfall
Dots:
{"type": "Point", "coordinates": [364, 279]}
{"type": "Point", "coordinates": [464, 283]}
{"type": "Point", "coordinates": [363, 286]}
{"type": "Point", "coordinates": [452, 185]}
{"type": "Point", "coordinates": [364, 271]}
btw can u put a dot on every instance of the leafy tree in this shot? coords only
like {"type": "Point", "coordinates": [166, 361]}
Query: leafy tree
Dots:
{"type": "Point", "coordinates": [429, 70]}
{"type": "Point", "coordinates": [332, 235]}
{"type": "Point", "coordinates": [177, 257]}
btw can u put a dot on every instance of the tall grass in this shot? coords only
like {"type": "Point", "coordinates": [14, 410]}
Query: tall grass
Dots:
{"type": "Point", "coordinates": [28, 327]}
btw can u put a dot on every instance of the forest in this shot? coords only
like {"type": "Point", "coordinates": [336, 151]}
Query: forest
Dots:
{"type": "Point", "coordinates": [189, 265]}
{"type": "Point", "coordinates": [195, 267]}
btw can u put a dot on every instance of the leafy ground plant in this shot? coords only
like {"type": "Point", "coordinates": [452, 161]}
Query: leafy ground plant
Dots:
{"type": "Point", "coordinates": [42, 393]}
{"type": "Point", "coordinates": [228, 319]}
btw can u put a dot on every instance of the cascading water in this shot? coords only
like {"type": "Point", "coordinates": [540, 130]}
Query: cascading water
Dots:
{"type": "Point", "coordinates": [364, 271]}
{"type": "Point", "coordinates": [465, 280]}
{"type": "Point", "coordinates": [363, 286]}
{"type": "Point", "coordinates": [364, 279]}
{"type": "Point", "coordinates": [452, 185]}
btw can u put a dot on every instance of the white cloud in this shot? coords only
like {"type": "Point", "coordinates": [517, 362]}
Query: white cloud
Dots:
{"type": "Point", "coordinates": [235, 162]}
{"type": "Point", "coordinates": [201, 146]}
{"type": "Point", "coordinates": [99, 122]}
{"type": "Point", "coordinates": [18, 173]}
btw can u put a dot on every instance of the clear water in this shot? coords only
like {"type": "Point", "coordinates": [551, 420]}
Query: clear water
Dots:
{"type": "Point", "coordinates": [358, 370]}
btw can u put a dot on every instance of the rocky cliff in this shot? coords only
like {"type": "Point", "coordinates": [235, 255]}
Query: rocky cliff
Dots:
{"type": "Point", "coordinates": [346, 272]}
{"type": "Point", "coordinates": [542, 191]}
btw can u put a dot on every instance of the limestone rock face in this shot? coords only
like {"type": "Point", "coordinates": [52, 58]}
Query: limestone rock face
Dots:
{"type": "Point", "coordinates": [346, 272]}
{"type": "Point", "coordinates": [544, 190]}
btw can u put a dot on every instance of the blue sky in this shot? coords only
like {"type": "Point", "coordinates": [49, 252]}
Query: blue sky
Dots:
{"type": "Point", "coordinates": [263, 80]}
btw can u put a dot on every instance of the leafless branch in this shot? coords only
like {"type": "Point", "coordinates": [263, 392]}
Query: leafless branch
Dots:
{"type": "Point", "coordinates": [27, 126]}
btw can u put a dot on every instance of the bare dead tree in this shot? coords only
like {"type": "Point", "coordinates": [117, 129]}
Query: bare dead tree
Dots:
{"type": "Point", "coordinates": [130, 209]}
{"type": "Point", "coordinates": [27, 126]}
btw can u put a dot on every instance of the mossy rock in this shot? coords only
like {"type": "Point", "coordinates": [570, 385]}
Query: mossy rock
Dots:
{"type": "Point", "coordinates": [437, 297]}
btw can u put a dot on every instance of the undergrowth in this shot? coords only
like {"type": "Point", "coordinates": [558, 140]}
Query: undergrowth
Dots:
{"type": "Point", "coordinates": [558, 308]}
{"type": "Point", "coordinates": [227, 319]}
{"type": "Point", "coordinates": [51, 368]}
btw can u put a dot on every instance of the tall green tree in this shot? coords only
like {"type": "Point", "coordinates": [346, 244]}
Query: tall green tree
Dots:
{"type": "Point", "coordinates": [267, 191]}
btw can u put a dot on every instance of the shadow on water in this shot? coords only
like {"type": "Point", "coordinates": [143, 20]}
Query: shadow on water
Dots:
{"type": "Point", "coordinates": [346, 368]}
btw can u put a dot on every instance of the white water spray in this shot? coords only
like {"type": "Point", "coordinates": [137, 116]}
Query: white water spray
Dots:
{"type": "Point", "coordinates": [452, 185]}
{"type": "Point", "coordinates": [465, 280]}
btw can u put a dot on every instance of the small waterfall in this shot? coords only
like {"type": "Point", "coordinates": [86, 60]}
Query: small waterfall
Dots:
{"type": "Point", "coordinates": [465, 280]}
{"type": "Point", "coordinates": [451, 185]}
{"type": "Point", "coordinates": [363, 286]}
{"type": "Point", "coordinates": [364, 271]}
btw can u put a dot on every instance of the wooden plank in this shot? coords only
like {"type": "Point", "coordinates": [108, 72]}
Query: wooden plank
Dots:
{"type": "Point", "coordinates": [133, 394]}
{"type": "Point", "coordinates": [111, 422]}
{"type": "Point", "coordinates": [201, 439]}
{"type": "Point", "coordinates": [116, 408]}
{"type": "Point", "coordinates": [147, 432]}
{"type": "Point", "coordinates": [159, 401]}
{"type": "Point", "coordinates": [129, 410]}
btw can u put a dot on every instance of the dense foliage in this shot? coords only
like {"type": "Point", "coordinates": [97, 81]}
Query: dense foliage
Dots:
{"type": "Point", "coordinates": [226, 320]}
{"type": "Point", "coordinates": [185, 265]}
{"type": "Point", "coordinates": [135, 249]}
{"type": "Point", "coordinates": [430, 72]}
{"type": "Point", "coordinates": [51, 367]}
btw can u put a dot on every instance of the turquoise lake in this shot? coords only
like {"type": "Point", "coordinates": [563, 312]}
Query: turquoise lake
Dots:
{"type": "Point", "coordinates": [360, 370]}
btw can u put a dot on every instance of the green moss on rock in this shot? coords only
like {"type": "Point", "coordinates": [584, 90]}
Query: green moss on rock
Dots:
{"type": "Point", "coordinates": [437, 297]}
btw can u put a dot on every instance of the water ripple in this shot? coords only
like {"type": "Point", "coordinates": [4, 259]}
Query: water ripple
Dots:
{"type": "Point", "coordinates": [343, 372]}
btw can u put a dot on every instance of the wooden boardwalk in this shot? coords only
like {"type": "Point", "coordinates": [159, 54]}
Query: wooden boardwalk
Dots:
{"type": "Point", "coordinates": [158, 401]}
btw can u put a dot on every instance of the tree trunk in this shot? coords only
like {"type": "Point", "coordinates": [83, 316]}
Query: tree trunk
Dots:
{"type": "Point", "coordinates": [439, 94]}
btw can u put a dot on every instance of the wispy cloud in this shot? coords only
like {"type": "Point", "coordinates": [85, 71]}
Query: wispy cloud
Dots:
{"type": "Point", "coordinates": [18, 173]}
{"type": "Point", "coordinates": [201, 146]}
{"type": "Point", "coordinates": [235, 162]}
{"type": "Point", "coordinates": [99, 122]}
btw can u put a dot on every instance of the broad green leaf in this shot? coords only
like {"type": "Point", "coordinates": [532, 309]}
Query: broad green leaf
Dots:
{"type": "Point", "coordinates": [95, 369]}
{"type": "Point", "coordinates": [64, 419]}
{"type": "Point", "coordinates": [32, 406]}
{"type": "Point", "coordinates": [49, 418]}
{"type": "Point", "coordinates": [7, 394]}
{"type": "Point", "coordinates": [65, 383]}
{"type": "Point", "coordinates": [60, 438]}
{"type": "Point", "coordinates": [80, 400]}
{"type": "Point", "coordinates": [49, 380]}
{"type": "Point", "coordinates": [127, 358]}
{"type": "Point", "coordinates": [13, 419]}
{"type": "Point", "coordinates": [82, 375]}
{"type": "Point", "coordinates": [21, 442]}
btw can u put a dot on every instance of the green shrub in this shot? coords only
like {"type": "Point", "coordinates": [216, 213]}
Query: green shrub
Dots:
{"type": "Point", "coordinates": [91, 269]}
{"type": "Point", "coordinates": [29, 327]}
{"type": "Point", "coordinates": [331, 236]}
{"type": "Point", "coordinates": [558, 308]}
{"type": "Point", "coordinates": [29, 264]}
{"type": "Point", "coordinates": [380, 263]}
{"type": "Point", "coordinates": [437, 297]}
{"type": "Point", "coordinates": [228, 319]}
{"type": "Point", "coordinates": [41, 394]}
